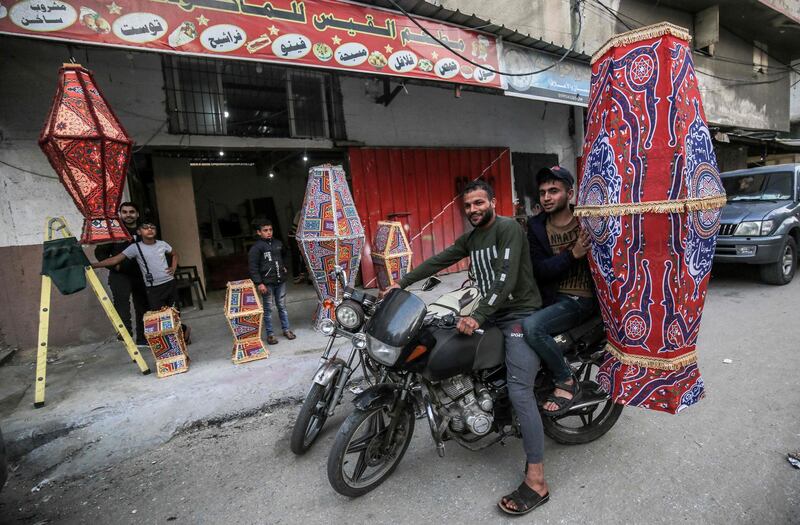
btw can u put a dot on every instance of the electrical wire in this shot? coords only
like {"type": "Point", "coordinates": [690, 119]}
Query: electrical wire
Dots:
{"type": "Point", "coordinates": [484, 66]}
{"type": "Point", "coordinates": [28, 171]}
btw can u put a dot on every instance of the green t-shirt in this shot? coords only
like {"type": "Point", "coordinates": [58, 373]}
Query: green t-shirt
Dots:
{"type": "Point", "coordinates": [501, 264]}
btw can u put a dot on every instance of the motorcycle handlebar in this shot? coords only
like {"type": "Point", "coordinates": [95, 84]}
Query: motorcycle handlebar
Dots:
{"type": "Point", "coordinates": [450, 321]}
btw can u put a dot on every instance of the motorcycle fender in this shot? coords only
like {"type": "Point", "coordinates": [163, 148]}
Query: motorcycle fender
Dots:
{"type": "Point", "coordinates": [376, 396]}
{"type": "Point", "coordinates": [328, 371]}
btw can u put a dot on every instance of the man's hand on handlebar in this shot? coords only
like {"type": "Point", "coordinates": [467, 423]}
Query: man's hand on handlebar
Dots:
{"type": "Point", "coordinates": [467, 325]}
{"type": "Point", "coordinates": [383, 293]}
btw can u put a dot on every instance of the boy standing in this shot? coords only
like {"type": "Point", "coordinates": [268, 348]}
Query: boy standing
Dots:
{"type": "Point", "coordinates": [268, 272]}
{"type": "Point", "coordinates": [151, 254]}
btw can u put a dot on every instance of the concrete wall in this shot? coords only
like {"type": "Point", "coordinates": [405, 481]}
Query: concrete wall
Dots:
{"type": "Point", "coordinates": [794, 95]}
{"type": "Point", "coordinates": [429, 116]}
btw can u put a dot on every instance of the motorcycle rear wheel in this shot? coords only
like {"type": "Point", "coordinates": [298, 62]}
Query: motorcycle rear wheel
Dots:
{"type": "Point", "coordinates": [311, 418]}
{"type": "Point", "coordinates": [588, 424]}
{"type": "Point", "coordinates": [357, 445]}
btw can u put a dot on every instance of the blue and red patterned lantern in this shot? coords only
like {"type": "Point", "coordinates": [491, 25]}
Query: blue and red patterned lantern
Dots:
{"type": "Point", "coordinates": [329, 233]}
{"type": "Point", "coordinates": [90, 150]}
{"type": "Point", "coordinates": [391, 253]}
{"type": "Point", "coordinates": [650, 197]}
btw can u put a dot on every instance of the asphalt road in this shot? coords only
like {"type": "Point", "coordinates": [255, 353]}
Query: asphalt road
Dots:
{"type": "Point", "coordinates": [720, 461]}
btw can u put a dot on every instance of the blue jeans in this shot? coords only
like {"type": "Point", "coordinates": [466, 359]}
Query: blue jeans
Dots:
{"type": "Point", "coordinates": [276, 292]}
{"type": "Point", "coordinates": [567, 312]}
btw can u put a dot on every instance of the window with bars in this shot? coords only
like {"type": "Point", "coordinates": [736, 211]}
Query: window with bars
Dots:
{"type": "Point", "coordinates": [223, 97]}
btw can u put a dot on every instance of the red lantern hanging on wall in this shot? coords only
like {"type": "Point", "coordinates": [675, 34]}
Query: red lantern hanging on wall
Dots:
{"type": "Point", "coordinates": [90, 150]}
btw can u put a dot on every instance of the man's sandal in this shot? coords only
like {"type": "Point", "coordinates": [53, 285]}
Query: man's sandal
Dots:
{"type": "Point", "coordinates": [525, 499]}
{"type": "Point", "coordinates": [563, 403]}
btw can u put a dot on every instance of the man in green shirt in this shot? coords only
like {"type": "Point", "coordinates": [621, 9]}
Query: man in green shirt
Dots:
{"type": "Point", "coordinates": [501, 265]}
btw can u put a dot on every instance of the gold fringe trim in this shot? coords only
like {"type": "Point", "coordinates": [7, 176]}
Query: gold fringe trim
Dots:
{"type": "Point", "coordinates": [653, 362]}
{"type": "Point", "coordinates": [643, 33]}
{"type": "Point", "coordinates": [675, 206]}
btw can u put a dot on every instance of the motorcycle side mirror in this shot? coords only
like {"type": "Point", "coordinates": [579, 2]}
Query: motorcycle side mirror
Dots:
{"type": "Point", "coordinates": [431, 283]}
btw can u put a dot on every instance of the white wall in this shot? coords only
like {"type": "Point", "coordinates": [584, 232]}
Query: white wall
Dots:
{"type": "Point", "coordinates": [434, 117]}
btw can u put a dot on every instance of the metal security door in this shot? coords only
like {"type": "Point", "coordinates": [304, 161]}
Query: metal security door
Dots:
{"type": "Point", "coordinates": [421, 182]}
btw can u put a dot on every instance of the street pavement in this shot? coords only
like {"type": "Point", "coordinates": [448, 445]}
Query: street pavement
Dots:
{"type": "Point", "coordinates": [720, 461]}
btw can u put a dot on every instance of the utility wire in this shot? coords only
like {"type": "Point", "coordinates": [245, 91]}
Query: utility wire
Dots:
{"type": "Point", "coordinates": [28, 171]}
{"type": "Point", "coordinates": [484, 66]}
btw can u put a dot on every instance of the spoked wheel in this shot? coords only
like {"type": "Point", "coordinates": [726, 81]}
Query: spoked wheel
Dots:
{"type": "Point", "coordinates": [585, 424]}
{"type": "Point", "coordinates": [364, 454]}
{"type": "Point", "coordinates": [311, 418]}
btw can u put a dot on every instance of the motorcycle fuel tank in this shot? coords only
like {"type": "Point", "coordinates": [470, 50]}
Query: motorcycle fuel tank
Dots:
{"type": "Point", "coordinates": [455, 353]}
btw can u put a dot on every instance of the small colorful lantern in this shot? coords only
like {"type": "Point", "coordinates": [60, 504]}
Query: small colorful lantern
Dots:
{"type": "Point", "coordinates": [650, 198]}
{"type": "Point", "coordinates": [391, 253]}
{"type": "Point", "coordinates": [330, 233]}
{"type": "Point", "coordinates": [245, 314]}
{"type": "Point", "coordinates": [89, 149]}
{"type": "Point", "coordinates": [162, 329]}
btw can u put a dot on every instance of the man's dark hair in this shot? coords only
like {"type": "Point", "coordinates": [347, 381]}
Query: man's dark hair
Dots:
{"type": "Point", "coordinates": [479, 184]}
{"type": "Point", "coordinates": [260, 223]}
{"type": "Point", "coordinates": [129, 204]}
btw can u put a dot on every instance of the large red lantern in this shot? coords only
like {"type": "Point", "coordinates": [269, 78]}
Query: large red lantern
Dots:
{"type": "Point", "coordinates": [90, 150]}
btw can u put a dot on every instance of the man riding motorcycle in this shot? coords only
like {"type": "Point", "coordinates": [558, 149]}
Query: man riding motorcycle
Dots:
{"type": "Point", "coordinates": [558, 256]}
{"type": "Point", "coordinates": [500, 261]}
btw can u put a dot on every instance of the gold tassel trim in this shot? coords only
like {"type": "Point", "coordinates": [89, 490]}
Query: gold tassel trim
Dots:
{"type": "Point", "coordinates": [643, 33]}
{"type": "Point", "coordinates": [652, 362]}
{"type": "Point", "coordinates": [674, 206]}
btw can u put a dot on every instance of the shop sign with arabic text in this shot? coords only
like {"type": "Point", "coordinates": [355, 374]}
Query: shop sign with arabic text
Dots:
{"type": "Point", "coordinates": [315, 33]}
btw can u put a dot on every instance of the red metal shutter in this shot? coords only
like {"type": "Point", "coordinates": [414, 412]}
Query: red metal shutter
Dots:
{"type": "Point", "coordinates": [421, 182]}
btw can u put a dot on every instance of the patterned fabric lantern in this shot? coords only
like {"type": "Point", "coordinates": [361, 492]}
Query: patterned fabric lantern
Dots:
{"type": "Point", "coordinates": [245, 314]}
{"type": "Point", "coordinates": [391, 253]}
{"type": "Point", "coordinates": [330, 233]}
{"type": "Point", "coordinates": [650, 198]}
{"type": "Point", "coordinates": [162, 329]}
{"type": "Point", "coordinates": [89, 149]}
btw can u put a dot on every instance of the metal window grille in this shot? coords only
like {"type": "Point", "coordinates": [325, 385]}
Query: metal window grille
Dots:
{"type": "Point", "coordinates": [248, 99]}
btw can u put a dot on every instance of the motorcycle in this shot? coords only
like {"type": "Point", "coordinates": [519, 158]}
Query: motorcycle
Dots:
{"type": "Point", "coordinates": [457, 383]}
{"type": "Point", "coordinates": [334, 372]}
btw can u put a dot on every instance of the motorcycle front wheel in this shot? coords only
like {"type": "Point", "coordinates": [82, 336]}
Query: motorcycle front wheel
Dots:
{"type": "Point", "coordinates": [363, 456]}
{"type": "Point", "coordinates": [312, 417]}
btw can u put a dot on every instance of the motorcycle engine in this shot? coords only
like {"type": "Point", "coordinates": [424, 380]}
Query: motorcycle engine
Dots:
{"type": "Point", "coordinates": [471, 406]}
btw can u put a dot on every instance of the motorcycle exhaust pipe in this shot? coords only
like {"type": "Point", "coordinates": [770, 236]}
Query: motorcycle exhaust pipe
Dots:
{"type": "Point", "coordinates": [589, 400]}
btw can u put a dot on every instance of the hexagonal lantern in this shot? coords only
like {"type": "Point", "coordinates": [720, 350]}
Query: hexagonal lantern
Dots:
{"type": "Point", "coordinates": [391, 253]}
{"type": "Point", "coordinates": [650, 198]}
{"type": "Point", "coordinates": [329, 233]}
{"type": "Point", "coordinates": [89, 150]}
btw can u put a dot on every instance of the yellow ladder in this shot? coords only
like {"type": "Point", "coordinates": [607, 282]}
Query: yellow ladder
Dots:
{"type": "Point", "coordinates": [59, 225]}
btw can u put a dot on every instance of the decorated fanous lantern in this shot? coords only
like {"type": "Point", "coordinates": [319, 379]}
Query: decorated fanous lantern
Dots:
{"type": "Point", "coordinates": [391, 253]}
{"type": "Point", "coordinates": [162, 329]}
{"type": "Point", "coordinates": [245, 315]}
{"type": "Point", "coordinates": [329, 234]}
{"type": "Point", "coordinates": [650, 198]}
{"type": "Point", "coordinates": [89, 149]}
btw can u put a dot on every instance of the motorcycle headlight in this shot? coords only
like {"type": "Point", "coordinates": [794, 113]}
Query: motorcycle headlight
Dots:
{"type": "Point", "coordinates": [327, 326]}
{"type": "Point", "coordinates": [381, 352]}
{"type": "Point", "coordinates": [350, 315]}
{"type": "Point", "coordinates": [748, 228]}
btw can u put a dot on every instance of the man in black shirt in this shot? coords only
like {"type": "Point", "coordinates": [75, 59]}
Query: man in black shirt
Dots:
{"type": "Point", "coordinates": [125, 279]}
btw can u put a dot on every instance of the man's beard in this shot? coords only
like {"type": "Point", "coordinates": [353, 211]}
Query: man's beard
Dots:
{"type": "Point", "coordinates": [558, 206]}
{"type": "Point", "coordinates": [484, 220]}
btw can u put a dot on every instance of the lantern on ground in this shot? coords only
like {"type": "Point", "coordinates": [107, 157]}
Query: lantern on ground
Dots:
{"type": "Point", "coordinates": [162, 329]}
{"type": "Point", "coordinates": [245, 314]}
{"type": "Point", "coordinates": [650, 198]}
{"type": "Point", "coordinates": [329, 234]}
{"type": "Point", "coordinates": [89, 150]}
{"type": "Point", "coordinates": [391, 253]}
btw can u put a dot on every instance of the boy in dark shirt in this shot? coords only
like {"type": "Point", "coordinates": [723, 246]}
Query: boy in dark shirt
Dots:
{"type": "Point", "coordinates": [268, 272]}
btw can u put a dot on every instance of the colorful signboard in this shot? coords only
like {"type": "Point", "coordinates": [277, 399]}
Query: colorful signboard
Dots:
{"type": "Point", "coordinates": [314, 33]}
{"type": "Point", "coordinates": [567, 82]}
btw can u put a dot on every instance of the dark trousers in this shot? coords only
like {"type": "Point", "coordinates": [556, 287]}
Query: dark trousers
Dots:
{"type": "Point", "coordinates": [123, 288]}
{"type": "Point", "coordinates": [298, 263]}
{"type": "Point", "coordinates": [163, 295]}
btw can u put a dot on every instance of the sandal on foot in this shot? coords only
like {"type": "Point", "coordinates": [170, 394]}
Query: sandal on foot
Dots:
{"type": "Point", "coordinates": [525, 499]}
{"type": "Point", "coordinates": [563, 403]}
{"type": "Point", "coordinates": [272, 340]}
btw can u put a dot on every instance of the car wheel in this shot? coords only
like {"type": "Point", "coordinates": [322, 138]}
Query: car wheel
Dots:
{"type": "Point", "coordinates": [782, 270]}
